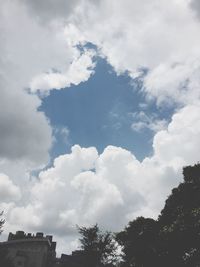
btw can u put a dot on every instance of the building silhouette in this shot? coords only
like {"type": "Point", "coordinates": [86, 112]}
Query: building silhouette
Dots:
{"type": "Point", "coordinates": [29, 250]}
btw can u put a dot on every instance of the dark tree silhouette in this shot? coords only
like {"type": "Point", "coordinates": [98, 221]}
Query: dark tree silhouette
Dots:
{"type": "Point", "coordinates": [172, 240]}
{"type": "Point", "coordinates": [98, 248]}
{"type": "Point", "coordinates": [180, 221]}
{"type": "Point", "coordinates": [139, 241]}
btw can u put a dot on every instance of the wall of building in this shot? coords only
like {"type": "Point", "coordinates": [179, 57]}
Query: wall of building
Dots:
{"type": "Point", "coordinates": [29, 250]}
{"type": "Point", "coordinates": [28, 254]}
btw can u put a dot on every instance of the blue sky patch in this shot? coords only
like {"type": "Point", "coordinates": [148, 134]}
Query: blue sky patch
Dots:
{"type": "Point", "coordinates": [100, 112]}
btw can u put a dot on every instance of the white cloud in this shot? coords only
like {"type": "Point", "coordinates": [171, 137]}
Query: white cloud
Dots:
{"type": "Point", "coordinates": [33, 48]}
{"type": "Point", "coordinates": [79, 71]}
{"type": "Point", "coordinates": [143, 121]}
{"type": "Point", "coordinates": [42, 56]}
{"type": "Point", "coordinates": [8, 190]}
{"type": "Point", "coordinates": [162, 36]}
{"type": "Point", "coordinates": [36, 49]}
{"type": "Point", "coordinates": [181, 140]}
{"type": "Point", "coordinates": [175, 83]}
{"type": "Point", "coordinates": [121, 30]}
{"type": "Point", "coordinates": [111, 188]}
{"type": "Point", "coordinates": [62, 133]}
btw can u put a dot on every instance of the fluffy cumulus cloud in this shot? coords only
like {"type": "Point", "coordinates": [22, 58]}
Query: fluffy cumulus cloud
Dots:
{"type": "Point", "coordinates": [111, 188]}
{"type": "Point", "coordinates": [160, 36]}
{"type": "Point", "coordinates": [182, 137]}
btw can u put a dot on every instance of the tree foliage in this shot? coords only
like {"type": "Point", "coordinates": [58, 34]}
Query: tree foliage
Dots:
{"type": "Point", "coordinates": [173, 239]}
{"type": "Point", "coordinates": [139, 241]}
{"type": "Point", "coordinates": [1, 222]}
{"type": "Point", "coordinates": [99, 248]}
{"type": "Point", "coordinates": [180, 221]}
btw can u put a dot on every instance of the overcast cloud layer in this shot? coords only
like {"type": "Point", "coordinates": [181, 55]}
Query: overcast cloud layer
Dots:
{"type": "Point", "coordinates": [39, 52]}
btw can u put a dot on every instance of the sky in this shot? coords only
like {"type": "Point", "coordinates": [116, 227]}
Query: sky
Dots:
{"type": "Point", "coordinates": [99, 111]}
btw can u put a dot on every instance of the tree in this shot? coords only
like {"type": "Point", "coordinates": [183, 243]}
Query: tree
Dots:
{"type": "Point", "coordinates": [180, 221]}
{"type": "Point", "coordinates": [139, 242]}
{"type": "Point", "coordinates": [1, 222]}
{"type": "Point", "coordinates": [98, 248]}
{"type": "Point", "coordinates": [172, 240]}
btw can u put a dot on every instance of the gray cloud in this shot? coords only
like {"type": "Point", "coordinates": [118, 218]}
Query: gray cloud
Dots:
{"type": "Point", "coordinates": [47, 10]}
{"type": "Point", "coordinates": [24, 132]}
{"type": "Point", "coordinates": [27, 49]}
{"type": "Point", "coordinates": [195, 4]}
